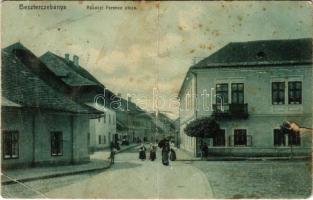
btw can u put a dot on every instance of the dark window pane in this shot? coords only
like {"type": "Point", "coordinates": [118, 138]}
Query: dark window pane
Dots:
{"type": "Point", "coordinates": [56, 143]}
{"type": "Point", "coordinates": [294, 139]}
{"type": "Point", "coordinates": [278, 92]}
{"type": "Point", "coordinates": [237, 93]}
{"type": "Point", "coordinates": [10, 144]}
{"type": "Point", "coordinates": [279, 138]}
{"type": "Point", "coordinates": [240, 137]}
{"type": "Point", "coordinates": [295, 92]}
{"type": "Point", "coordinates": [219, 140]}
{"type": "Point", "coordinates": [222, 93]}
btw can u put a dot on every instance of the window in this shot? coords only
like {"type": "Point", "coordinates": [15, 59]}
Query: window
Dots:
{"type": "Point", "coordinates": [278, 93]}
{"type": "Point", "coordinates": [219, 140]}
{"type": "Point", "coordinates": [222, 93]}
{"type": "Point", "coordinates": [279, 138]}
{"type": "Point", "coordinates": [240, 137]}
{"type": "Point", "coordinates": [56, 143]}
{"type": "Point", "coordinates": [237, 93]}
{"type": "Point", "coordinates": [10, 144]}
{"type": "Point", "coordinates": [104, 139]}
{"type": "Point", "coordinates": [109, 119]}
{"type": "Point", "coordinates": [99, 139]}
{"type": "Point", "coordinates": [294, 139]}
{"type": "Point", "coordinates": [294, 92]}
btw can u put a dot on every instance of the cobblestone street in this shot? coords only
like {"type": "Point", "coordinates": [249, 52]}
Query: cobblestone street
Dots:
{"type": "Point", "coordinates": [132, 178]}
{"type": "Point", "coordinates": [258, 179]}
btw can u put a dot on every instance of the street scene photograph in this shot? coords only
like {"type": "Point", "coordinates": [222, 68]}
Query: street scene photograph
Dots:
{"type": "Point", "coordinates": [156, 99]}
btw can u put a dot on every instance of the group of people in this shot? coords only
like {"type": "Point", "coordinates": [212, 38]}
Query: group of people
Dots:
{"type": "Point", "coordinates": [168, 152]}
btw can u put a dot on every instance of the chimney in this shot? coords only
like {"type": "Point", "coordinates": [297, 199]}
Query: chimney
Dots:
{"type": "Point", "coordinates": [67, 57]}
{"type": "Point", "coordinates": [76, 60]}
{"type": "Point", "coordinates": [129, 99]}
{"type": "Point", "coordinates": [119, 95]}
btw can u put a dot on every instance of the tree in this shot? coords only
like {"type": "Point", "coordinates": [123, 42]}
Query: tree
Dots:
{"type": "Point", "coordinates": [205, 127]}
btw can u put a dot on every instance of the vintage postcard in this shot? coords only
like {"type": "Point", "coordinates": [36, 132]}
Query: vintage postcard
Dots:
{"type": "Point", "coordinates": [156, 99]}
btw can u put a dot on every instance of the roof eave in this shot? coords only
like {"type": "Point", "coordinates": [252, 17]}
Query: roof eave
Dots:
{"type": "Point", "coordinates": [252, 64]}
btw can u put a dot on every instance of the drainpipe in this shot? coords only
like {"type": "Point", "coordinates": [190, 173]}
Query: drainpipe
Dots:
{"type": "Point", "coordinates": [34, 139]}
{"type": "Point", "coordinates": [72, 139]}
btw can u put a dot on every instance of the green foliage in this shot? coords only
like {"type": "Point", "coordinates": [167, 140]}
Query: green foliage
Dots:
{"type": "Point", "coordinates": [205, 127]}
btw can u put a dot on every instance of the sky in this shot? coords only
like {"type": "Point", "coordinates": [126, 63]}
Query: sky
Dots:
{"type": "Point", "coordinates": [133, 51]}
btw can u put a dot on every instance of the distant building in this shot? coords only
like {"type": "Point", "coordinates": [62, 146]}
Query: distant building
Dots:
{"type": "Point", "coordinates": [165, 126]}
{"type": "Point", "coordinates": [177, 135]}
{"type": "Point", "coordinates": [133, 123]}
{"type": "Point", "coordinates": [85, 88]}
{"type": "Point", "coordinates": [39, 124]}
{"type": "Point", "coordinates": [251, 88]}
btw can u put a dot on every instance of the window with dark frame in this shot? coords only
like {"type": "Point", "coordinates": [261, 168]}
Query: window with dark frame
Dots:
{"type": "Point", "coordinates": [219, 140]}
{"type": "Point", "coordinates": [294, 139]}
{"type": "Point", "coordinates": [278, 93]}
{"type": "Point", "coordinates": [237, 93]}
{"type": "Point", "coordinates": [294, 92]}
{"type": "Point", "coordinates": [279, 138]}
{"type": "Point", "coordinates": [10, 144]}
{"type": "Point", "coordinates": [240, 137]}
{"type": "Point", "coordinates": [222, 93]}
{"type": "Point", "coordinates": [56, 143]}
{"type": "Point", "coordinates": [99, 139]}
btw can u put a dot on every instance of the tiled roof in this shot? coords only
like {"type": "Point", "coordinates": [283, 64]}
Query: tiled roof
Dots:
{"type": "Point", "coordinates": [22, 86]}
{"type": "Point", "coordinates": [67, 71]}
{"type": "Point", "coordinates": [263, 52]}
{"type": "Point", "coordinates": [128, 106]}
{"type": "Point", "coordinates": [61, 67]}
{"type": "Point", "coordinates": [84, 85]}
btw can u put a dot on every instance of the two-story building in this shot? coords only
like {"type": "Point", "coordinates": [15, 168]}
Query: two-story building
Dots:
{"type": "Point", "coordinates": [86, 89]}
{"type": "Point", "coordinates": [251, 88]}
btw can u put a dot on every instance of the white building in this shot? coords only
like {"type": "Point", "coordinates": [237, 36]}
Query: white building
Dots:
{"type": "Point", "coordinates": [262, 84]}
{"type": "Point", "coordinates": [102, 130]}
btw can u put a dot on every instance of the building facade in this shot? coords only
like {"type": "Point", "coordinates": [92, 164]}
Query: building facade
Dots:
{"type": "Point", "coordinates": [86, 89]}
{"type": "Point", "coordinates": [103, 129]}
{"type": "Point", "coordinates": [39, 125]}
{"type": "Point", "coordinates": [250, 89]}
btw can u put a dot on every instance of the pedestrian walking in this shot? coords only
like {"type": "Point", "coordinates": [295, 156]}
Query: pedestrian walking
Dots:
{"type": "Point", "coordinates": [165, 152]}
{"type": "Point", "coordinates": [152, 152]}
{"type": "Point", "coordinates": [113, 152]}
{"type": "Point", "coordinates": [172, 151]}
{"type": "Point", "coordinates": [142, 152]}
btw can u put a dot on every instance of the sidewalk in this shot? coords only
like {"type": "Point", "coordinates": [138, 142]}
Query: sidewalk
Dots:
{"type": "Point", "coordinates": [183, 155]}
{"type": "Point", "coordinates": [98, 161]}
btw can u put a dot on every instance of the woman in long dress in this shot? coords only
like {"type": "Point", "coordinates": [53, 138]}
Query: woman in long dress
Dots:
{"type": "Point", "coordinates": [152, 152]}
{"type": "Point", "coordinates": [165, 152]}
{"type": "Point", "coordinates": [142, 152]}
{"type": "Point", "coordinates": [173, 153]}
